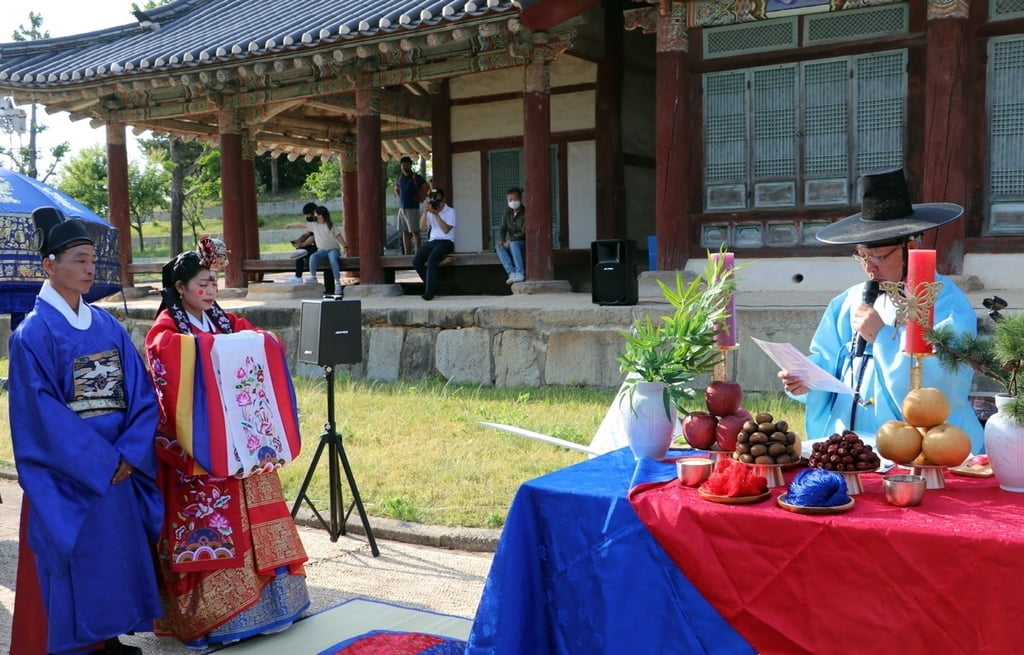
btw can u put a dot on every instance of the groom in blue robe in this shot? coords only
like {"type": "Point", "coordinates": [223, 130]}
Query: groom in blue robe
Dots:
{"type": "Point", "coordinates": [83, 414]}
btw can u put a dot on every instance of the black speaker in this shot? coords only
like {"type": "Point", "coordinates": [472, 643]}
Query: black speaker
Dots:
{"type": "Point", "coordinates": [613, 268]}
{"type": "Point", "coordinates": [331, 332]}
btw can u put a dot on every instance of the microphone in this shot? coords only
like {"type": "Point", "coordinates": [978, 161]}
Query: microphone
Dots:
{"type": "Point", "coordinates": [869, 297]}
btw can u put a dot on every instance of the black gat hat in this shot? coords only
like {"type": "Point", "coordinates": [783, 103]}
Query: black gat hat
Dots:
{"type": "Point", "coordinates": [55, 233]}
{"type": "Point", "coordinates": [886, 213]}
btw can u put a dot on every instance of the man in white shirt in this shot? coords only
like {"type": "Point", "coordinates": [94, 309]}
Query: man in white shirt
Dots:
{"type": "Point", "coordinates": [440, 218]}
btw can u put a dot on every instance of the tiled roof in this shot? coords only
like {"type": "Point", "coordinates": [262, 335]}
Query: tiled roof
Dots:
{"type": "Point", "coordinates": [188, 33]}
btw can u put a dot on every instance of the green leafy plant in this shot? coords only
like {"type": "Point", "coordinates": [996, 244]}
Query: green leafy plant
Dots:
{"type": "Point", "coordinates": [999, 357]}
{"type": "Point", "coordinates": [681, 345]}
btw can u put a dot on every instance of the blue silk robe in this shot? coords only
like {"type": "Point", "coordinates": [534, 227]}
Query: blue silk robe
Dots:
{"type": "Point", "coordinates": [79, 401]}
{"type": "Point", "coordinates": [886, 378]}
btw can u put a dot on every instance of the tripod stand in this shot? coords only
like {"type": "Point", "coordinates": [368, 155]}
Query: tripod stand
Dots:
{"type": "Point", "coordinates": [331, 441]}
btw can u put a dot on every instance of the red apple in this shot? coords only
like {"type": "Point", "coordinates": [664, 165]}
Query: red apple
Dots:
{"type": "Point", "coordinates": [723, 397]}
{"type": "Point", "coordinates": [729, 428]}
{"type": "Point", "coordinates": [699, 430]}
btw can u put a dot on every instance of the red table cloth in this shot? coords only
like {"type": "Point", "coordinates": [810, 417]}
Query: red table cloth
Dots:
{"type": "Point", "coordinates": [940, 578]}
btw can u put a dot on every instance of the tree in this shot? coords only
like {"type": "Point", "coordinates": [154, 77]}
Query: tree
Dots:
{"type": "Point", "coordinates": [182, 159]}
{"type": "Point", "coordinates": [84, 178]}
{"type": "Point", "coordinates": [325, 182]}
{"type": "Point", "coordinates": [288, 174]}
{"type": "Point", "coordinates": [147, 190]}
{"type": "Point", "coordinates": [25, 158]}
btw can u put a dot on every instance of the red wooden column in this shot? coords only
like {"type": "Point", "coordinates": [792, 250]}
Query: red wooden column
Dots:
{"type": "Point", "coordinates": [537, 164]}
{"type": "Point", "coordinates": [441, 138]}
{"type": "Point", "coordinates": [232, 192]}
{"type": "Point", "coordinates": [369, 176]}
{"type": "Point", "coordinates": [611, 185]}
{"type": "Point", "coordinates": [117, 198]}
{"type": "Point", "coordinates": [672, 130]}
{"type": "Point", "coordinates": [350, 197]}
{"type": "Point", "coordinates": [250, 220]}
{"type": "Point", "coordinates": [945, 175]}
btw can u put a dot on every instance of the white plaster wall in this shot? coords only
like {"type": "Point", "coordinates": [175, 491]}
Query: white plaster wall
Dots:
{"type": "Point", "coordinates": [996, 271]}
{"type": "Point", "coordinates": [565, 71]}
{"type": "Point", "coordinates": [568, 70]}
{"type": "Point", "coordinates": [573, 111]}
{"type": "Point", "coordinates": [487, 121]}
{"type": "Point", "coordinates": [808, 274]}
{"type": "Point", "coordinates": [466, 201]}
{"type": "Point", "coordinates": [583, 199]}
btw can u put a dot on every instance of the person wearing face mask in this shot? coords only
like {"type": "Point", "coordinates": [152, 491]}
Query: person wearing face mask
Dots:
{"type": "Point", "coordinates": [82, 416]}
{"type": "Point", "coordinates": [229, 555]}
{"type": "Point", "coordinates": [511, 246]}
{"type": "Point", "coordinates": [881, 234]}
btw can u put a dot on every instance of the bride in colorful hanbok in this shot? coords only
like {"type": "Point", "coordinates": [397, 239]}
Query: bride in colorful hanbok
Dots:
{"type": "Point", "coordinates": [230, 556]}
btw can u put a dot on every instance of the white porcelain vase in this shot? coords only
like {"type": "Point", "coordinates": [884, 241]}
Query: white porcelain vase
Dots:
{"type": "Point", "coordinates": [648, 427]}
{"type": "Point", "coordinates": [1004, 445]}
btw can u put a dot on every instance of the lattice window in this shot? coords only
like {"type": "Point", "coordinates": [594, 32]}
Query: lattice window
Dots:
{"type": "Point", "coordinates": [880, 117]}
{"type": "Point", "coordinates": [799, 135]}
{"type": "Point", "coordinates": [505, 170]}
{"type": "Point", "coordinates": [1006, 134]}
{"type": "Point", "coordinates": [1006, 8]}
{"type": "Point", "coordinates": [856, 25]}
{"type": "Point", "coordinates": [759, 36]}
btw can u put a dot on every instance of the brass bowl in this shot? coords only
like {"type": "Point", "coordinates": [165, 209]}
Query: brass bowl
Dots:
{"type": "Point", "coordinates": [904, 490]}
{"type": "Point", "coordinates": [694, 470]}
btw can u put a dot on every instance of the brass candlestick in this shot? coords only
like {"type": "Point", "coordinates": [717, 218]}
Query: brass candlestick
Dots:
{"type": "Point", "coordinates": [721, 370]}
{"type": "Point", "coordinates": [913, 307]}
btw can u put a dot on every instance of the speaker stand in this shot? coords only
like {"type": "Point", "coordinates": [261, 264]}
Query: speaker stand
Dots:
{"type": "Point", "coordinates": [330, 441]}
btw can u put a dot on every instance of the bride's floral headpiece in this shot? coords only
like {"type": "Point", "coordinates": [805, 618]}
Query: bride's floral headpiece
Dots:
{"type": "Point", "coordinates": [213, 253]}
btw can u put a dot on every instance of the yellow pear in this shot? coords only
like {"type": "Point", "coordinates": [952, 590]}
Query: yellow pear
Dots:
{"type": "Point", "coordinates": [946, 445]}
{"type": "Point", "coordinates": [898, 441]}
{"type": "Point", "coordinates": [925, 408]}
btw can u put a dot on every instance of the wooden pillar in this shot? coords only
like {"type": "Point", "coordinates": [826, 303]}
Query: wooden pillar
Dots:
{"type": "Point", "coordinates": [673, 179]}
{"type": "Point", "coordinates": [441, 138]}
{"type": "Point", "coordinates": [611, 186]}
{"type": "Point", "coordinates": [537, 164]}
{"type": "Point", "coordinates": [117, 198]}
{"type": "Point", "coordinates": [350, 196]}
{"type": "Point", "coordinates": [231, 191]}
{"type": "Point", "coordinates": [250, 219]}
{"type": "Point", "coordinates": [369, 177]}
{"type": "Point", "coordinates": [945, 175]}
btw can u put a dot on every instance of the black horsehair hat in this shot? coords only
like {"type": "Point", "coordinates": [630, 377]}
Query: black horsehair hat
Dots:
{"type": "Point", "coordinates": [886, 214]}
{"type": "Point", "coordinates": [55, 233]}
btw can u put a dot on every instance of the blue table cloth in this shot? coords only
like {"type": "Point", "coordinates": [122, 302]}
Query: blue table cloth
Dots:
{"type": "Point", "coordinates": [576, 573]}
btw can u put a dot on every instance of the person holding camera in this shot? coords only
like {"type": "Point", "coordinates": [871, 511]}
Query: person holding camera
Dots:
{"type": "Point", "coordinates": [440, 218]}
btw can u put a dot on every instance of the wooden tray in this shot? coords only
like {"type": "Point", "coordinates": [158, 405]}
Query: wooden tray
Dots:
{"type": "Point", "coordinates": [734, 500]}
{"type": "Point", "coordinates": [972, 468]}
{"type": "Point", "coordinates": [801, 509]}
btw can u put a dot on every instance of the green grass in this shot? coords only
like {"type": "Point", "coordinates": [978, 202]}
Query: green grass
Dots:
{"type": "Point", "coordinates": [418, 453]}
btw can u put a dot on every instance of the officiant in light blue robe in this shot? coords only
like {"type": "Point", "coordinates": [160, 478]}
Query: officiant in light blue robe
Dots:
{"type": "Point", "coordinates": [83, 416]}
{"type": "Point", "coordinates": [857, 339]}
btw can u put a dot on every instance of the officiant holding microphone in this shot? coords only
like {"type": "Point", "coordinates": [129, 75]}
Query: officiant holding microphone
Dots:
{"type": "Point", "coordinates": [857, 339]}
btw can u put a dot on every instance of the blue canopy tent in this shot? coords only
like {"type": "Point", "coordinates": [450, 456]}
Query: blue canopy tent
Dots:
{"type": "Point", "coordinates": [21, 273]}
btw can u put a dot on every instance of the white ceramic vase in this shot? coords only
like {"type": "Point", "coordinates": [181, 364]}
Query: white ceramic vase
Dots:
{"type": "Point", "coordinates": [648, 427]}
{"type": "Point", "coordinates": [1004, 445]}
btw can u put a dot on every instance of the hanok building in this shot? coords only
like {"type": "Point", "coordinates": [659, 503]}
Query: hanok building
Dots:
{"type": "Point", "coordinates": [705, 122]}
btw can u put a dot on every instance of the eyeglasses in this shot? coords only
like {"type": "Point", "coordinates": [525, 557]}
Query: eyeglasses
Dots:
{"type": "Point", "coordinates": [877, 260]}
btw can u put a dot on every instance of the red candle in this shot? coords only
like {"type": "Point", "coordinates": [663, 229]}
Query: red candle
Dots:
{"type": "Point", "coordinates": [920, 268]}
{"type": "Point", "coordinates": [727, 339]}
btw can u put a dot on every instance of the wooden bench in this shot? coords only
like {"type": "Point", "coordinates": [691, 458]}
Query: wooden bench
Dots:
{"type": "Point", "coordinates": [491, 275]}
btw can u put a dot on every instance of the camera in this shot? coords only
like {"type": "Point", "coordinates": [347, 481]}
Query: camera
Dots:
{"type": "Point", "coordinates": [436, 199]}
{"type": "Point", "coordinates": [435, 204]}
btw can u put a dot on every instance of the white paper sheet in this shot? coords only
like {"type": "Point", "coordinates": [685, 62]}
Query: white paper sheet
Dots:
{"type": "Point", "coordinates": [789, 359]}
